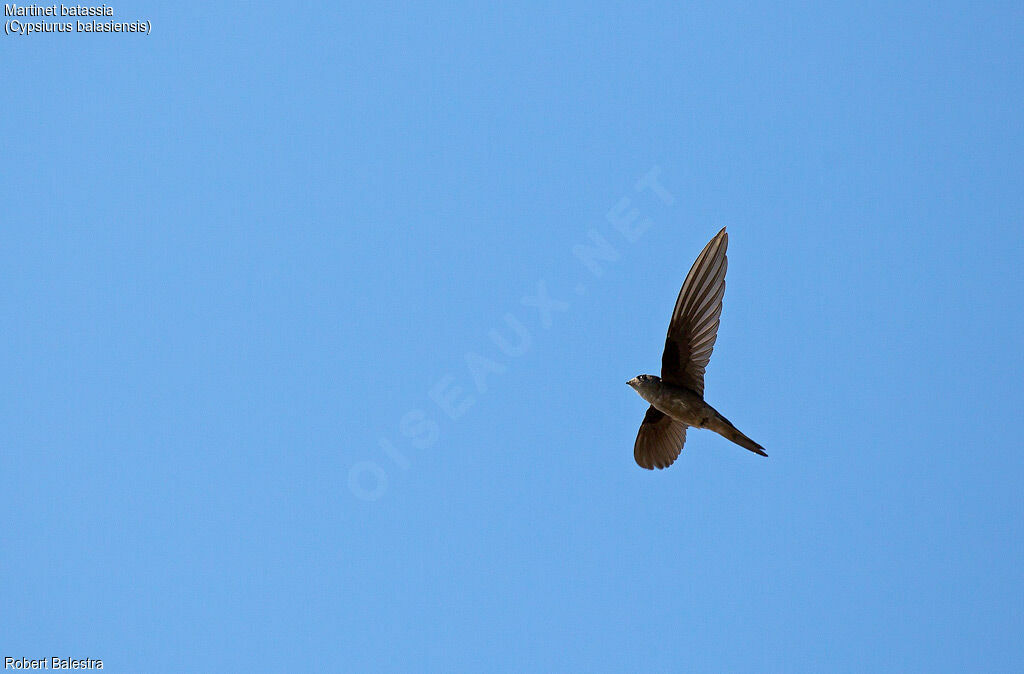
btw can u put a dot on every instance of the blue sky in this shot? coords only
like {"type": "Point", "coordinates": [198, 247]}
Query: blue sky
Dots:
{"type": "Point", "coordinates": [245, 256]}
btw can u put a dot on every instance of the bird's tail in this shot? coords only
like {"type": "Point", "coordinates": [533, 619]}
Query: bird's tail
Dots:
{"type": "Point", "coordinates": [724, 427]}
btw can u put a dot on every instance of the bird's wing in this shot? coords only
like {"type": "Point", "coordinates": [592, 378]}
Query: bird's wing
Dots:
{"type": "Point", "coordinates": [659, 441]}
{"type": "Point", "coordinates": [694, 325]}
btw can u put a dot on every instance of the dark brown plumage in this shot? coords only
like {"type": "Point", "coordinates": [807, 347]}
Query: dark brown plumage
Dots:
{"type": "Point", "coordinates": [677, 397]}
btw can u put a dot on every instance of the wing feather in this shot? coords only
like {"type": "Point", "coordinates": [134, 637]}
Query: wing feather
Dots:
{"type": "Point", "coordinates": [694, 326]}
{"type": "Point", "coordinates": [659, 441]}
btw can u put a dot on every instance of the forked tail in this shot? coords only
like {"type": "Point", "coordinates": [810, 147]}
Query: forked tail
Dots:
{"type": "Point", "coordinates": [724, 427]}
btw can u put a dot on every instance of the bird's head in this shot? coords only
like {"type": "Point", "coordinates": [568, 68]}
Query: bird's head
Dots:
{"type": "Point", "coordinates": [643, 382]}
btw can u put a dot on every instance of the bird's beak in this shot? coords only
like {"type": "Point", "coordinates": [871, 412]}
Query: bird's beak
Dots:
{"type": "Point", "coordinates": [631, 382]}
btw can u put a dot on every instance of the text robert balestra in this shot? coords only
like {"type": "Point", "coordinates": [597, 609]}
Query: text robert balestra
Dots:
{"type": "Point", "coordinates": [53, 663]}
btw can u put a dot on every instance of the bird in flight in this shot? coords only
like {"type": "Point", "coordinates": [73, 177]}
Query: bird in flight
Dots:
{"type": "Point", "coordinates": [677, 397]}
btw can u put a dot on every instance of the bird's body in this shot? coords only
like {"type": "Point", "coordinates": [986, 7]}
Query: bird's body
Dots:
{"type": "Point", "coordinates": [686, 407]}
{"type": "Point", "coordinates": [678, 402]}
{"type": "Point", "coordinates": [677, 397]}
